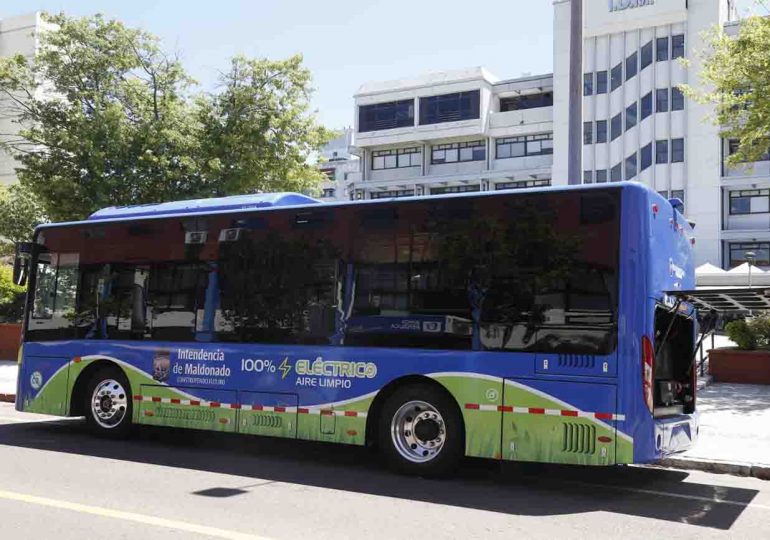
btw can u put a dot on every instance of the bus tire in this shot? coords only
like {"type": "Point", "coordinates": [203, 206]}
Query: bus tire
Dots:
{"type": "Point", "coordinates": [421, 431]}
{"type": "Point", "coordinates": [108, 406]}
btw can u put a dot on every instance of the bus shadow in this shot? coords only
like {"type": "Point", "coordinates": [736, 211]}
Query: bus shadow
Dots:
{"type": "Point", "coordinates": [515, 489]}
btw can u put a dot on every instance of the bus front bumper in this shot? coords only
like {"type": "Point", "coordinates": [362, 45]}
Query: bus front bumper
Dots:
{"type": "Point", "coordinates": [676, 434]}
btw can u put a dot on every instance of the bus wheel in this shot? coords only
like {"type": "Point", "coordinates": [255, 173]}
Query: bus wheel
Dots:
{"type": "Point", "coordinates": [108, 404]}
{"type": "Point", "coordinates": [421, 431]}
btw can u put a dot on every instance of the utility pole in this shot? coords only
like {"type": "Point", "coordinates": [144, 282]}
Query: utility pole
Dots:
{"type": "Point", "coordinates": [575, 145]}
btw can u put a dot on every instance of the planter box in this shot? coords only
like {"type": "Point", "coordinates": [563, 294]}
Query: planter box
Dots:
{"type": "Point", "coordinates": [732, 365]}
{"type": "Point", "coordinates": [10, 339]}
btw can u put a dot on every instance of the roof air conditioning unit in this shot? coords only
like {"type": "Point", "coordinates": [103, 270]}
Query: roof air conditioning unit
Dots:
{"type": "Point", "coordinates": [230, 235]}
{"type": "Point", "coordinates": [196, 237]}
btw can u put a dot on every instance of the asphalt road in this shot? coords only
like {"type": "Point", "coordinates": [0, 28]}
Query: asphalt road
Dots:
{"type": "Point", "coordinates": [56, 481]}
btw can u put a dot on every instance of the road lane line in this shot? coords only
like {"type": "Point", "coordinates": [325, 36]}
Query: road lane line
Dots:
{"type": "Point", "coordinates": [130, 516]}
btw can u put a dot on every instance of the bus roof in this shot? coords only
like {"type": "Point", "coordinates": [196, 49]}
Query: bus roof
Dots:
{"type": "Point", "coordinates": [268, 201]}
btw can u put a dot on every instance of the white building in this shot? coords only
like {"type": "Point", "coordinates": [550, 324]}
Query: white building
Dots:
{"type": "Point", "coordinates": [469, 131]}
{"type": "Point", "coordinates": [338, 164]}
{"type": "Point", "coordinates": [18, 35]}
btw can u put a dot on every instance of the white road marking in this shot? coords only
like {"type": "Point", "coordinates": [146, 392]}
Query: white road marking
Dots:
{"type": "Point", "coordinates": [130, 516]}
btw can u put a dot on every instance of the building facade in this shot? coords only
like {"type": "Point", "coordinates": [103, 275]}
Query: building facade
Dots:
{"type": "Point", "coordinates": [18, 35]}
{"type": "Point", "coordinates": [469, 131]}
{"type": "Point", "coordinates": [338, 164]}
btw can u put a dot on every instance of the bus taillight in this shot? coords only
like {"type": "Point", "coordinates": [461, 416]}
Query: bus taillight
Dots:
{"type": "Point", "coordinates": [648, 371]}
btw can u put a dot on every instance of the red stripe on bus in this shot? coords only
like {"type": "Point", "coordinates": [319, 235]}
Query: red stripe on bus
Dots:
{"type": "Point", "coordinates": [149, 413]}
{"type": "Point", "coordinates": [302, 410]}
{"type": "Point", "coordinates": [256, 407]}
{"type": "Point", "coordinates": [569, 413]}
{"type": "Point", "coordinates": [137, 398]}
{"type": "Point", "coordinates": [327, 412]}
{"type": "Point", "coordinates": [504, 408]}
{"type": "Point", "coordinates": [77, 359]}
{"type": "Point", "coordinates": [533, 410]}
{"type": "Point", "coordinates": [603, 416]}
{"type": "Point", "coordinates": [215, 404]}
{"type": "Point", "coordinates": [155, 399]}
{"type": "Point", "coordinates": [176, 401]}
{"type": "Point", "coordinates": [351, 413]}
{"type": "Point", "coordinates": [195, 403]}
{"type": "Point", "coordinates": [473, 406]}
{"type": "Point", "coordinates": [235, 405]}
{"type": "Point", "coordinates": [279, 409]}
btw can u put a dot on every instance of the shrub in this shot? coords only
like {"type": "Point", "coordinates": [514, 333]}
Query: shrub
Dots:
{"type": "Point", "coordinates": [741, 334]}
{"type": "Point", "coordinates": [11, 297]}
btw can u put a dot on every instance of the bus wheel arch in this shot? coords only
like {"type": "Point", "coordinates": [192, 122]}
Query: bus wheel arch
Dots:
{"type": "Point", "coordinates": [426, 392]}
{"type": "Point", "coordinates": [77, 398]}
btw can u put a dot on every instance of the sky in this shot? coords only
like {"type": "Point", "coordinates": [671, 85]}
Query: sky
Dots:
{"type": "Point", "coordinates": [344, 42]}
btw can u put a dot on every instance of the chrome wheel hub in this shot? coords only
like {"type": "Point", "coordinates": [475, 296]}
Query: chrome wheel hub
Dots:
{"type": "Point", "coordinates": [418, 431]}
{"type": "Point", "coordinates": [109, 403]}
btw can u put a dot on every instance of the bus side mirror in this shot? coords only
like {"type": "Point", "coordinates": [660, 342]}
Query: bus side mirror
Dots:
{"type": "Point", "coordinates": [21, 262]}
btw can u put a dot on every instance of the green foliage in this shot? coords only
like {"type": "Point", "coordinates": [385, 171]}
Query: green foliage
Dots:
{"type": "Point", "coordinates": [11, 297]}
{"type": "Point", "coordinates": [20, 213]}
{"type": "Point", "coordinates": [735, 77]}
{"type": "Point", "coordinates": [108, 118]}
{"type": "Point", "coordinates": [750, 334]}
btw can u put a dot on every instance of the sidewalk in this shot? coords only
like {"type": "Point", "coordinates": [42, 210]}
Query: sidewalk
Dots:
{"type": "Point", "coordinates": [734, 431]}
{"type": "Point", "coordinates": [8, 370]}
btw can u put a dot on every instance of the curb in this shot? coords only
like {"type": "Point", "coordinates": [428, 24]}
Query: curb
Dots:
{"type": "Point", "coordinates": [720, 467]}
{"type": "Point", "coordinates": [7, 398]}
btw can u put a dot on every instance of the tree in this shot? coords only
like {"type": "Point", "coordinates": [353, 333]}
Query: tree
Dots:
{"type": "Point", "coordinates": [736, 75]}
{"type": "Point", "coordinates": [108, 118]}
{"type": "Point", "coordinates": [20, 213]}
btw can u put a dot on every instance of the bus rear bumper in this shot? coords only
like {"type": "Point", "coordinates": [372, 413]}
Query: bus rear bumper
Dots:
{"type": "Point", "coordinates": [676, 434]}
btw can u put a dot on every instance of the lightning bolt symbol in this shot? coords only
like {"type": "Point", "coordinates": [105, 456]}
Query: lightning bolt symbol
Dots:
{"type": "Point", "coordinates": [285, 367]}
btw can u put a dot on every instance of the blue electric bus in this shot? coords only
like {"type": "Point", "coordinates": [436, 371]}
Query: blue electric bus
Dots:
{"type": "Point", "coordinates": [525, 325]}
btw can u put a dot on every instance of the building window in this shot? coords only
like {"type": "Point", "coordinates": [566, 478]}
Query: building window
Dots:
{"type": "Point", "coordinates": [381, 116]}
{"type": "Point", "coordinates": [661, 151]}
{"type": "Point", "coordinates": [616, 77]}
{"type": "Point", "coordinates": [661, 49]}
{"type": "Point", "coordinates": [646, 105]}
{"type": "Point", "coordinates": [601, 131]}
{"type": "Point", "coordinates": [330, 174]}
{"type": "Point", "coordinates": [601, 176]}
{"type": "Point", "coordinates": [530, 101]}
{"type": "Point", "coordinates": [663, 194]}
{"type": "Point", "coordinates": [588, 84]}
{"type": "Point", "coordinates": [523, 184]}
{"type": "Point", "coordinates": [458, 152]}
{"type": "Point", "coordinates": [631, 116]}
{"type": "Point", "coordinates": [588, 133]}
{"type": "Point", "coordinates": [396, 159]}
{"type": "Point", "coordinates": [632, 66]}
{"type": "Point", "coordinates": [390, 194]}
{"type": "Point", "coordinates": [328, 192]}
{"type": "Point", "coordinates": [588, 177]}
{"type": "Point", "coordinates": [616, 126]}
{"type": "Point", "coordinates": [734, 144]}
{"type": "Point", "coordinates": [677, 150]}
{"type": "Point", "coordinates": [616, 173]}
{"type": "Point", "coordinates": [449, 107]}
{"type": "Point", "coordinates": [677, 46]}
{"type": "Point", "coordinates": [455, 189]}
{"type": "Point", "coordinates": [601, 82]}
{"type": "Point", "coordinates": [677, 99]}
{"type": "Point", "coordinates": [678, 194]}
{"type": "Point", "coordinates": [531, 145]}
{"type": "Point", "coordinates": [755, 201]}
{"type": "Point", "coordinates": [646, 56]}
{"type": "Point", "coordinates": [646, 157]}
{"type": "Point", "coordinates": [761, 252]}
{"type": "Point", "coordinates": [631, 166]}
{"type": "Point", "coordinates": [661, 100]}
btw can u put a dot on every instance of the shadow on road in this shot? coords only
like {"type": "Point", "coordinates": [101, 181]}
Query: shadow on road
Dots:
{"type": "Point", "coordinates": [516, 489]}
